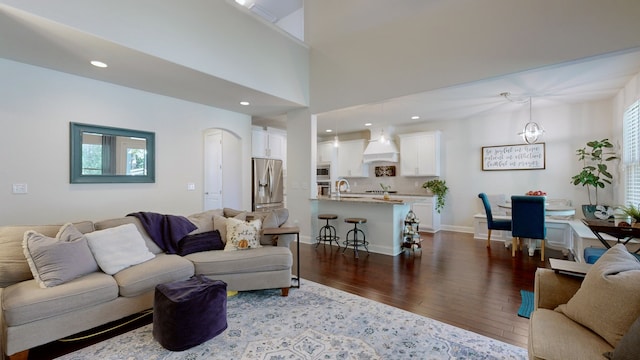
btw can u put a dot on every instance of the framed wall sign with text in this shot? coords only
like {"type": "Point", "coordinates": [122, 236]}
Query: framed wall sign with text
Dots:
{"type": "Point", "coordinates": [513, 157]}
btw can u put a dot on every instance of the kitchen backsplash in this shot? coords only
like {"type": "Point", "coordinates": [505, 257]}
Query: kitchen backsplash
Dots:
{"type": "Point", "coordinates": [401, 184]}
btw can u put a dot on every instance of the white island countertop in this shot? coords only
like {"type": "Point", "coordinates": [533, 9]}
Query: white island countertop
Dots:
{"type": "Point", "coordinates": [385, 218]}
{"type": "Point", "coordinates": [375, 198]}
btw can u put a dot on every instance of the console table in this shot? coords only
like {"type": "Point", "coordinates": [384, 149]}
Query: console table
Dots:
{"type": "Point", "coordinates": [289, 231]}
{"type": "Point", "coordinates": [623, 234]}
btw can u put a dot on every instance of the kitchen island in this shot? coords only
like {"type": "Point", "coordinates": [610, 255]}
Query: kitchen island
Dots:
{"type": "Point", "coordinates": [385, 219]}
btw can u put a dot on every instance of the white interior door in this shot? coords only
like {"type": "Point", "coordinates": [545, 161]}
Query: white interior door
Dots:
{"type": "Point", "coordinates": [213, 169]}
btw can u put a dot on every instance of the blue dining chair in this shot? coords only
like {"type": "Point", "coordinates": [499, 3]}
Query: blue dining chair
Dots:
{"type": "Point", "coordinates": [492, 224]}
{"type": "Point", "coordinates": [527, 220]}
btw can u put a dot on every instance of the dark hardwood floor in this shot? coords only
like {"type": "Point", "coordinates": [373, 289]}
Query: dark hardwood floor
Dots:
{"type": "Point", "coordinates": [453, 279]}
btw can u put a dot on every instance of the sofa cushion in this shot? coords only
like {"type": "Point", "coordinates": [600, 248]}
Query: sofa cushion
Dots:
{"type": "Point", "coordinates": [118, 248]}
{"type": "Point", "coordinates": [204, 220]}
{"type": "Point", "coordinates": [270, 219]}
{"type": "Point", "coordinates": [608, 300]}
{"type": "Point", "coordinates": [143, 277]}
{"type": "Point", "coordinates": [13, 264]}
{"type": "Point", "coordinates": [54, 261]}
{"type": "Point", "coordinates": [111, 223]}
{"type": "Point", "coordinates": [239, 231]}
{"type": "Point", "coordinates": [26, 302]}
{"type": "Point", "coordinates": [266, 258]}
{"type": "Point", "coordinates": [552, 335]}
{"type": "Point", "coordinates": [228, 212]}
{"type": "Point", "coordinates": [203, 241]}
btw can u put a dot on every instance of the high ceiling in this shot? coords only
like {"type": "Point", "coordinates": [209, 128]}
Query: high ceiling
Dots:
{"type": "Point", "coordinates": [33, 40]}
{"type": "Point", "coordinates": [591, 79]}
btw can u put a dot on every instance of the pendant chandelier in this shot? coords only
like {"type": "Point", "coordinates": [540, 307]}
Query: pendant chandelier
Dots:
{"type": "Point", "coordinates": [532, 132]}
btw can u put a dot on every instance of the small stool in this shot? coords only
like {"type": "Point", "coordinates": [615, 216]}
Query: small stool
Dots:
{"type": "Point", "coordinates": [354, 240]}
{"type": "Point", "coordinates": [189, 312]}
{"type": "Point", "coordinates": [327, 232]}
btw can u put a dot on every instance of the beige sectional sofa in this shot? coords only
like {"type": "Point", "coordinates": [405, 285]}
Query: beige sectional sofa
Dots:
{"type": "Point", "coordinates": [594, 318]}
{"type": "Point", "coordinates": [32, 315]}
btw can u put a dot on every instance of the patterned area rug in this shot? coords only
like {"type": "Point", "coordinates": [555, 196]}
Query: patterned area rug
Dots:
{"type": "Point", "coordinates": [313, 322]}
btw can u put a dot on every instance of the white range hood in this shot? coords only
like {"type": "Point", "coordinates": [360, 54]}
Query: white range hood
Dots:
{"type": "Point", "coordinates": [378, 150]}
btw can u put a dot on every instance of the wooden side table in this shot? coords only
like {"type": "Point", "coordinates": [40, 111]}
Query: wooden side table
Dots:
{"type": "Point", "coordinates": [289, 231]}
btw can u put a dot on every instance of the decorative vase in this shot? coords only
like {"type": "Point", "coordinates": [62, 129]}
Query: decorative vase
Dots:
{"type": "Point", "coordinates": [589, 212]}
{"type": "Point", "coordinates": [385, 195]}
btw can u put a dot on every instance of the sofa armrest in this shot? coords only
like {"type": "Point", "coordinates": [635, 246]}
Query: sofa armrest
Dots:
{"type": "Point", "coordinates": [552, 289]}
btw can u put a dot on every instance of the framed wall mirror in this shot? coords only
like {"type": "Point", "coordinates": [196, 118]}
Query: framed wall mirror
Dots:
{"type": "Point", "coordinates": [101, 154]}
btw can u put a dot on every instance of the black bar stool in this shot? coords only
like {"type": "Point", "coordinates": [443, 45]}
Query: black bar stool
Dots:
{"type": "Point", "coordinates": [328, 232]}
{"type": "Point", "coordinates": [355, 241]}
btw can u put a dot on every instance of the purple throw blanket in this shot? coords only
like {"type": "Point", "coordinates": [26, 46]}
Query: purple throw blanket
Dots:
{"type": "Point", "coordinates": [165, 230]}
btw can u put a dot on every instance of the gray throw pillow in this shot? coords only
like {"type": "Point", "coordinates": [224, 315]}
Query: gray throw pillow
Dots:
{"type": "Point", "coordinates": [629, 346]}
{"type": "Point", "coordinates": [54, 261]}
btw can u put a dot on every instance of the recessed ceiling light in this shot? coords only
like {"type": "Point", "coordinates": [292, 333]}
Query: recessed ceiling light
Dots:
{"type": "Point", "coordinates": [99, 64]}
{"type": "Point", "coordinates": [367, 124]}
{"type": "Point", "coordinates": [244, 103]}
{"type": "Point", "coordinates": [415, 117]}
{"type": "Point", "coordinates": [328, 130]}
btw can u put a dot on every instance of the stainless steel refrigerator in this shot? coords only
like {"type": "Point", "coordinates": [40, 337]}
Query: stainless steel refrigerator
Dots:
{"type": "Point", "coordinates": [267, 185]}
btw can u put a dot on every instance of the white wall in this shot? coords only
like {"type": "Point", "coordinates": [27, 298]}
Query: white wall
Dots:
{"type": "Point", "coordinates": [300, 142]}
{"type": "Point", "coordinates": [36, 106]}
{"type": "Point", "coordinates": [567, 129]}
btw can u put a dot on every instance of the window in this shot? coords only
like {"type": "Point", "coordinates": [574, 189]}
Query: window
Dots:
{"type": "Point", "coordinates": [631, 154]}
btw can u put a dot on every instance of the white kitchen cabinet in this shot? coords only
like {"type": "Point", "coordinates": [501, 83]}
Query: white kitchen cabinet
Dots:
{"type": "Point", "coordinates": [326, 152]}
{"type": "Point", "coordinates": [350, 159]}
{"type": "Point", "coordinates": [268, 143]}
{"type": "Point", "coordinates": [425, 209]}
{"type": "Point", "coordinates": [420, 154]}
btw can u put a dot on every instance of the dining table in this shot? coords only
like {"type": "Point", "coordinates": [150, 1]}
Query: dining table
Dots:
{"type": "Point", "coordinates": [551, 209]}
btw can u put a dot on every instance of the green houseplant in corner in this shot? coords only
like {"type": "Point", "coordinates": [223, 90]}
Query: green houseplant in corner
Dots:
{"type": "Point", "coordinates": [439, 188]}
{"type": "Point", "coordinates": [633, 212]}
{"type": "Point", "coordinates": [594, 172]}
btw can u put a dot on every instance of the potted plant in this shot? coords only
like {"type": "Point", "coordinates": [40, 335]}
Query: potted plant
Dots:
{"type": "Point", "coordinates": [439, 188]}
{"type": "Point", "coordinates": [633, 212]}
{"type": "Point", "coordinates": [594, 171]}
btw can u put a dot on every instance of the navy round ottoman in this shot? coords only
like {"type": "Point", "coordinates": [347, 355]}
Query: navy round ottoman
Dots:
{"type": "Point", "coordinates": [189, 312]}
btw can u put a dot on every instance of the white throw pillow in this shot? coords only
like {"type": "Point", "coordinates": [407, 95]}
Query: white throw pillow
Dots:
{"type": "Point", "coordinates": [118, 248]}
{"type": "Point", "coordinates": [239, 230]}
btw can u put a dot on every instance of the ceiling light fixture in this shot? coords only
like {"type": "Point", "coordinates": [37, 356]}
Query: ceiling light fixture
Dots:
{"type": "Point", "coordinates": [532, 132]}
{"type": "Point", "coordinates": [367, 124]}
{"type": "Point", "coordinates": [245, 103]}
{"type": "Point", "coordinates": [99, 64]}
{"type": "Point", "coordinates": [415, 117]}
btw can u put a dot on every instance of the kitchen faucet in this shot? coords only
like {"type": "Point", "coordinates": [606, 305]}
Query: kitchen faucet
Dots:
{"type": "Point", "coordinates": [339, 183]}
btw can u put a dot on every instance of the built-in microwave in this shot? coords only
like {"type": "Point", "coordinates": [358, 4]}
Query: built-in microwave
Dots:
{"type": "Point", "coordinates": [323, 173]}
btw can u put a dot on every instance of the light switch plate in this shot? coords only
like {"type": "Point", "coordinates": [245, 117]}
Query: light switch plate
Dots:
{"type": "Point", "coordinates": [191, 186]}
{"type": "Point", "coordinates": [20, 188]}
